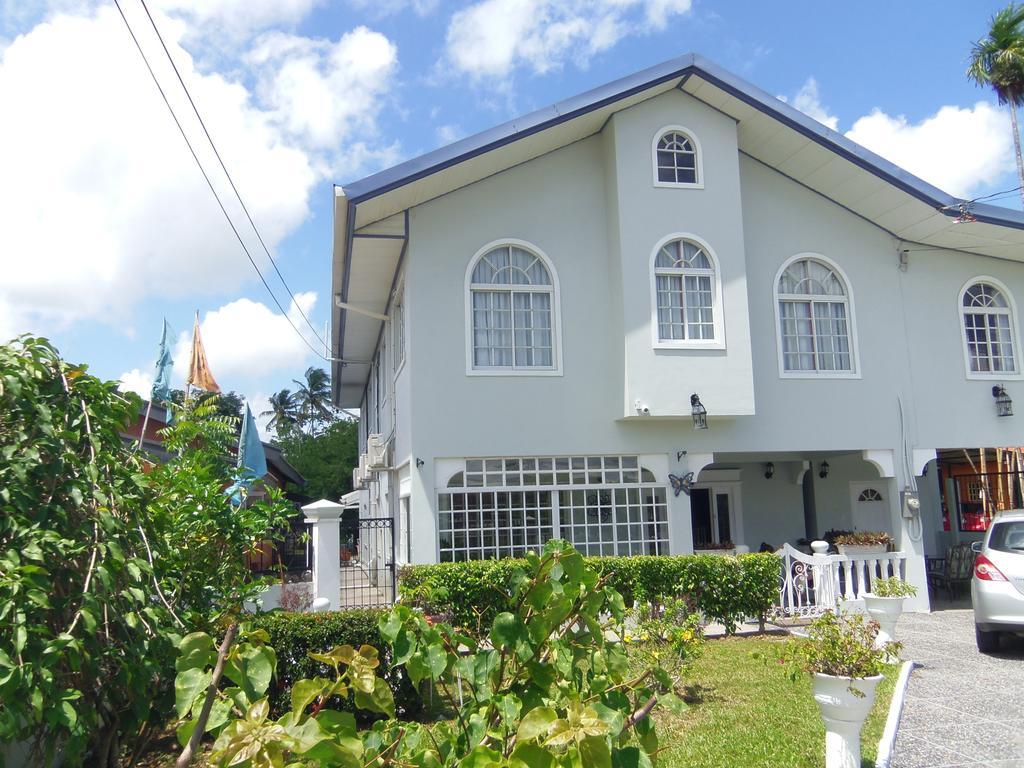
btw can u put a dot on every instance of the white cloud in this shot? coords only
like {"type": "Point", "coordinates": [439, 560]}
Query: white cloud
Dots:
{"type": "Point", "coordinates": [808, 102]}
{"type": "Point", "coordinates": [246, 340]}
{"type": "Point", "coordinates": [239, 17]}
{"type": "Point", "coordinates": [446, 134]}
{"type": "Point", "coordinates": [103, 205]}
{"type": "Point", "coordinates": [490, 38]}
{"type": "Point", "coordinates": [381, 8]}
{"type": "Point", "coordinates": [299, 79]}
{"type": "Point", "coordinates": [958, 149]}
{"type": "Point", "coordinates": [139, 382]}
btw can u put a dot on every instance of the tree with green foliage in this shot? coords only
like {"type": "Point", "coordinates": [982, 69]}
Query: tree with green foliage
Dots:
{"type": "Point", "coordinates": [204, 536]}
{"type": "Point", "coordinates": [228, 404]}
{"type": "Point", "coordinates": [103, 566]}
{"type": "Point", "coordinates": [997, 61]}
{"type": "Point", "coordinates": [313, 400]}
{"type": "Point", "coordinates": [283, 412]}
{"type": "Point", "coordinates": [84, 642]}
{"type": "Point", "coordinates": [326, 459]}
{"type": "Point", "coordinates": [551, 686]}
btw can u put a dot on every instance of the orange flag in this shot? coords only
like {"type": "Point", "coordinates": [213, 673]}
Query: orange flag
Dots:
{"type": "Point", "coordinates": [199, 375]}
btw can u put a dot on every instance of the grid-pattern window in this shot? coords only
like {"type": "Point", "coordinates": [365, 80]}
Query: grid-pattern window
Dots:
{"type": "Point", "coordinates": [987, 327]}
{"type": "Point", "coordinates": [684, 278]}
{"type": "Point", "coordinates": [615, 521]}
{"type": "Point", "coordinates": [814, 319]}
{"type": "Point", "coordinates": [676, 159]}
{"type": "Point", "coordinates": [511, 299]}
{"type": "Point", "coordinates": [490, 524]}
{"type": "Point", "coordinates": [503, 507]}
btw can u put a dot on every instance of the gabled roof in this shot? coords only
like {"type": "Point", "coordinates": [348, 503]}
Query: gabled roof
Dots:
{"type": "Point", "coordinates": [370, 227]}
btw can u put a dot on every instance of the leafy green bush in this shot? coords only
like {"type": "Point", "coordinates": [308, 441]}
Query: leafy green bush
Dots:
{"type": "Point", "coordinates": [842, 646]}
{"type": "Point", "coordinates": [296, 635]}
{"type": "Point", "coordinates": [724, 589]}
{"type": "Point", "coordinates": [547, 688]}
{"type": "Point", "coordinates": [894, 586]}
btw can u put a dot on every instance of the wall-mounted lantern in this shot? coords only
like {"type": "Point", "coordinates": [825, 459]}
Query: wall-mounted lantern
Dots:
{"type": "Point", "coordinates": [769, 470]}
{"type": "Point", "coordinates": [1004, 405]}
{"type": "Point", "coordinates": [823, 470]}
{"type": "Point", "coordinates": [699, 413]}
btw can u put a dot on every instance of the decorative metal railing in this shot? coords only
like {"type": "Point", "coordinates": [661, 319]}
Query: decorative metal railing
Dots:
{"type": "Point", "coordinates": [809, 585]}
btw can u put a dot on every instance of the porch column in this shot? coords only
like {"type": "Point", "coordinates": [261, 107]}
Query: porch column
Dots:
{"type": "Point", "coordinates": [680, 522]}
{"type": "Point", "coordinates": [324, 517]}
{"type": "Point", "coordinates": [906, 530]}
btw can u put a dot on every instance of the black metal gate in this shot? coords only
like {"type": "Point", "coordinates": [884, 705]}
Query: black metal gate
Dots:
{"type": "Point", "coordinates": [367, 562]}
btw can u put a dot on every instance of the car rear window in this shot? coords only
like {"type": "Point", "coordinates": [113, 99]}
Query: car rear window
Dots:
{"type": "Point", "coordinates": [1008, 536]}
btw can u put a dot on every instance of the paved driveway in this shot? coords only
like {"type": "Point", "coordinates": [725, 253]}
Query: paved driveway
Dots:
{"type": "Point", "coordinates": [963, 707]}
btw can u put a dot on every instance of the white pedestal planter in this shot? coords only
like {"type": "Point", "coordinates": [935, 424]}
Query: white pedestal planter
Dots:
{"type": "Point", "coordinates": [716, 552]}
{"type": "Point", "coordinates": [886, 611]}
{"type": "Point", "coordinates": [844, 713]}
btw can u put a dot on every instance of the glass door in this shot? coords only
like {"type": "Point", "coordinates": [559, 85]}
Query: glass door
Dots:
{"type": "Point", "coordinates": [711, 515]}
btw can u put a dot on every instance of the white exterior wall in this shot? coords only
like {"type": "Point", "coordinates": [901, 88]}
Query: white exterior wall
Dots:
{"type": "Point", "coordinates": [592, 208]}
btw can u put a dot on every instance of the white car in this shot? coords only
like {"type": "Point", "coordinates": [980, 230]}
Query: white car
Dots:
{"type": "Point", "coordinates": [997, 586]}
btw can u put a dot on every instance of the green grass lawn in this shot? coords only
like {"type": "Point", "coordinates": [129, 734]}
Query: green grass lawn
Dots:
{"type": "Point", "coordinates": [745, 712]}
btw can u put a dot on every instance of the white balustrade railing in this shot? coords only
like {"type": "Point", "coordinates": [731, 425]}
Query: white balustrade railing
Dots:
{"type": "Point", "coordinates": [813, 584]}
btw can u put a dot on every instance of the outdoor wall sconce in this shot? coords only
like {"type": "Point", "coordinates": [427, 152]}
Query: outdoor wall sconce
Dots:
{"type": "Point", "coordinates": [769, 470]}
{"type": "Point", "coordinates": [420, 463]}
{"type": "Point", "coordinates": [1004, 405]}
{"type": "Point", "coordinates": [823, 470]}
{"type": "Point", "coordinates": [699, 413]}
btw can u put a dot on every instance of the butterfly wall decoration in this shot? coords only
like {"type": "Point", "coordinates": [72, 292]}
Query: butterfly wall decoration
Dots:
{"type": "Point", "coordinates": [681, 483]}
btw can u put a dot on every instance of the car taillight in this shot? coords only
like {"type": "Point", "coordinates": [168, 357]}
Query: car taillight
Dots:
{"type": "Point", "coordinates": [986, 571]}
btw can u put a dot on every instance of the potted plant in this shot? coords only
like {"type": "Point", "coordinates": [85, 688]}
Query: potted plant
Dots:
{"type": "Point", "coordinates": [715, 548]}
{"type": "Point", "coordinates": [863, 543]}
{"type": "Point", "coordinates": [885, 604]}
{"type": "Point", "coordinates": [841, 655]}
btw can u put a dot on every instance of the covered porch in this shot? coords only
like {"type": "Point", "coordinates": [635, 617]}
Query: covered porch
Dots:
{"type": "Point", "coordinates": [782, 501]}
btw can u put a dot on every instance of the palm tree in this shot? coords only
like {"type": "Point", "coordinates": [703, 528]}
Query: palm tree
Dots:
{"type": "Point", "coordinates": [997, 61]}
{"type": "Point", "coordinates": [283, 411]}
{"type": "Point", "coordinates": [313, 399]}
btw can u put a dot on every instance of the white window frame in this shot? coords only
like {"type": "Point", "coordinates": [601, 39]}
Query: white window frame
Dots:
{"type": "Point", "coordinates": [1014, 330]}
{"type": "Point", "coordinates": [699, 183]}
{"type": "Point", "coordinates": [717, 308]}
{"type": "Point", "coordinates": [556, 313]}
{"type": "Point", "coordinates": [855, 372]}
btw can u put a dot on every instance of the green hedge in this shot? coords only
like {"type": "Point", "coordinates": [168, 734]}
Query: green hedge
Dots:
{"type": "Point", "coordinates": [294, 635]}
{"type": "Point", "coordinates": [724, 589]}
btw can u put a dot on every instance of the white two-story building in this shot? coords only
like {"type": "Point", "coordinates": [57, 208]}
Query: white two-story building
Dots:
{"type": "Point", "coordinates": [531, 316]}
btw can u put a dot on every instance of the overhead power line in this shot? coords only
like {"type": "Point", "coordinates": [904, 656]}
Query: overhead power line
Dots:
{"type": "Point", "coordinates": [213, 190]}
{"type": "Point", "coordinates": [224, 168]}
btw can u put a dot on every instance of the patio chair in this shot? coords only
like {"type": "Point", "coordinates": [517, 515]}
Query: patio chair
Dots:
{"type": "Point", "coordinates": [952, 571]}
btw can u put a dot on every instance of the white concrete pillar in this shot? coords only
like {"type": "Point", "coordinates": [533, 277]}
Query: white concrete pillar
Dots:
{"type": "Point", "coordinates": [325, 519]}
{"type": "Point", "coordinates": [680, 522]}
{"type": "Point", "coordinates": [909, 540]}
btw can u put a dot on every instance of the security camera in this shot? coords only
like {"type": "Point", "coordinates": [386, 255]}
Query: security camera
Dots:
{"type": "Point", "coordinates": [645, 411]}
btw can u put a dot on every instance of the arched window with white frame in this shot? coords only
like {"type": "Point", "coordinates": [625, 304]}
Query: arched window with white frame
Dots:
{"type": "Point", "coordinates": [989, 328]}
{"type": "Point", "coordinates": [814, 311]}
{"type": "Point", "coordinates": [687, 294]}
{"type": "Point", "coordinates": [677, 158]}
{"type": "Point", "coordinates": [513, 310]}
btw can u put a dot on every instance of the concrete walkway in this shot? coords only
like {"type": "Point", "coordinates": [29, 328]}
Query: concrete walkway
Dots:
{"type": "Point", "coordinates": [963, 708]}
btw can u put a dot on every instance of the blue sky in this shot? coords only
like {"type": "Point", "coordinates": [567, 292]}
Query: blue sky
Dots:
{"type": "Point", "coordinates": [109, 228]}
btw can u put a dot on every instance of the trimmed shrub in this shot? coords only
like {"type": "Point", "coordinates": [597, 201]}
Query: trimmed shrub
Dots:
{"type": "Point", "coordinates": [724, 589]}
{"type": "Point", "coordinates": [294, 635]}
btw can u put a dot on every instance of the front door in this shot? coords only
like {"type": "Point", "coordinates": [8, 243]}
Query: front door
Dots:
{"type": "Point", "coordinates": [713, 514]}
{"type": "Point", "coordinates": [870, 508]}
